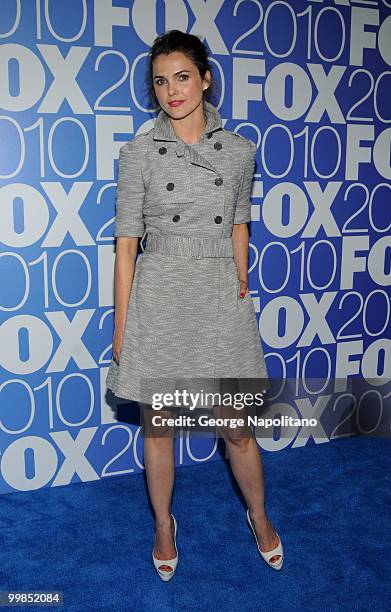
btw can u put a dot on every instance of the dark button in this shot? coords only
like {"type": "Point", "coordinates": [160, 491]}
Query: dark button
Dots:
{"type": "Point", "coordinates": [170, 186]}
{"type": "Point", "coordinates": [218, 219]}
{"type": "Point", "coordinates": [162, 150]}
{"type": "Point", "coordinates": [217, 146]}
{"type": "Point", "coordinates": [176, 218]}
{"type": "Point", "coordinates": [219, 181]}
{"type": "Point", "coordinates": [209, 135]}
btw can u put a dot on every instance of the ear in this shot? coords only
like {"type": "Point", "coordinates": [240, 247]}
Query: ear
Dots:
{"type": "Point", "coordinates": [207, 80]}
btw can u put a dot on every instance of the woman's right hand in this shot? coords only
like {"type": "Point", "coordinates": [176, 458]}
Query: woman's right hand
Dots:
{"type": "Point", "coordinates": [117, 343]}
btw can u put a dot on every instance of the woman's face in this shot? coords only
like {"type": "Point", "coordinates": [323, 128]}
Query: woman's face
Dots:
{"type": "Point", "coordinates": [175, 77]}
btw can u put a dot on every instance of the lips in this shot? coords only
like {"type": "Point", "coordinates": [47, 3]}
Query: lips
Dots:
{"type": "Point", "coordinates": [176, 102]}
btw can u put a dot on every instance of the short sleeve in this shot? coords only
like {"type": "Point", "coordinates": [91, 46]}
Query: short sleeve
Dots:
{"type": "Point", "coordinates": [129, 198]}
{"type": "Point", "coordinates": [243, 203]}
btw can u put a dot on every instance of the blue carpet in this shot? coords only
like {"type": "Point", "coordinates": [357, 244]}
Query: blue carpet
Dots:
{"type": "Point", "coordinates": [330, 504]}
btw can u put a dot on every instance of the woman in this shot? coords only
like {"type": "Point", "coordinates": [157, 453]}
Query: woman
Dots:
{"type": "Point", "coordinates": [188, 182]}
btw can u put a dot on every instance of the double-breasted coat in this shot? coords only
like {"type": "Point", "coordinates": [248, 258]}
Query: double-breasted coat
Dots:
{"type": "Point", "coordinates": [185, 320]}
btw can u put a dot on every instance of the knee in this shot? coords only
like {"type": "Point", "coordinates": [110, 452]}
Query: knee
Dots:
{"type": "Point", "coordinates": [237, 439]}
{"type": "Point", "coordinates": [160, 442]}
{"type": "Point", "coordinates": [241, 444]}
{"type": "Point", "coordinates": [160, 433]}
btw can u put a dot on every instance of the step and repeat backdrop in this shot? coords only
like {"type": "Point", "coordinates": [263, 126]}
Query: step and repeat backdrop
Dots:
{"type": "Point", "coordinates": [309, 82]}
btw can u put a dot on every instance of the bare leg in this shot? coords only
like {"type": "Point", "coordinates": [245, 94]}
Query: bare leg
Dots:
{"type": "Point", "coordinates": [247, 468]}
{"type": "Point", "coordinates": [159, 469]}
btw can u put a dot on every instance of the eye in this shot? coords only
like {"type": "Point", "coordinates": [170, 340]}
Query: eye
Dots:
{"type": "Point", "coordinates": [184, 75]}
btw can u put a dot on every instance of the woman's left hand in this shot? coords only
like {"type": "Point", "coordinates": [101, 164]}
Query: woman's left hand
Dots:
{"type": "Point", "coordinates": [243, 288]}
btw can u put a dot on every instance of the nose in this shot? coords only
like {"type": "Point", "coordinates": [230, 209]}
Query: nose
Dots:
{"type": "Point", "coordinates": [172, 88]}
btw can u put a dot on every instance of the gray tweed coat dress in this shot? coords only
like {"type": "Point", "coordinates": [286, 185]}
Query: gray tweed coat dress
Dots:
{"type": "Point", "coordinates": [186, 324]}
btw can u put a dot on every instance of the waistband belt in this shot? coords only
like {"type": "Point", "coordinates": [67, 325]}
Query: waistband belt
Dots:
{"type": "Point", "coordinates": [188, 246]}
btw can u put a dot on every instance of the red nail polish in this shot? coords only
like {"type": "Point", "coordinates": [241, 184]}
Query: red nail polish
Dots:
{"type": "Point", "coordinates": [241, 294]}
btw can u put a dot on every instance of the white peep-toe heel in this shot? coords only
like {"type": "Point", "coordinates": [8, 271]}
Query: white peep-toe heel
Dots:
{"type": "Point", "coordinates": [172, 563]}
{"type": "Point", "coordinates": [266, 556]}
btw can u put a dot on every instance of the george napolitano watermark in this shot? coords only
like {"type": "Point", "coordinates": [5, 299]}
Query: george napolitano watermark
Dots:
{"type": "Point", "coordinates": [275, 409]}
{"type": "Point", "coordinates": [238, 411]}
{"type": "Point", "coordinates": [205, 420]}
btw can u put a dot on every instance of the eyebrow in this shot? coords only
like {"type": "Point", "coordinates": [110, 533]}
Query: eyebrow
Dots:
{"type": "Point", "coordinates": [157, 76]}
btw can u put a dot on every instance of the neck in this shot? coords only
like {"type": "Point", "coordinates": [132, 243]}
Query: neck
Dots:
{"type": "Point", "coordinates": [190, 128]}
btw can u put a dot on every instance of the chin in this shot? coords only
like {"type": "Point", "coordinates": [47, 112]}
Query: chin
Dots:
{"type": "Point", "coordinates": [177, 112]}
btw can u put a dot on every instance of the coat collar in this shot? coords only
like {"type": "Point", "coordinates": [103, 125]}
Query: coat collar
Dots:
{"type": "Point", "coordinates": [163, 130]}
